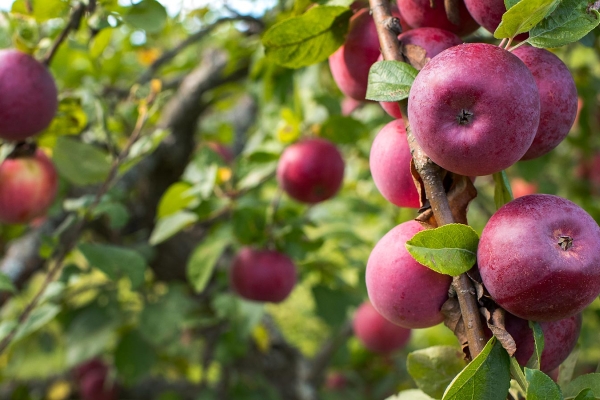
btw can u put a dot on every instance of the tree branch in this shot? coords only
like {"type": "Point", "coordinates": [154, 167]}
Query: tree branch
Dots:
{"type": "Point", "coordinates": [321, 360]}
{"type": "Point", "coordinates": [76, 14]}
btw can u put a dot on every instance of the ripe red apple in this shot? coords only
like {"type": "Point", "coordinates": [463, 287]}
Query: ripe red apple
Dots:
{"type": "Point", "coordinates": [377, 333]}
{"type": "Point", "coordinates": [390, 166]}
{"type": "Point", "coordinates": [29, 97]}
{"type": "Point", "coordinates": [433, 41]}
{"type": "Point", "coordinates": [349, 105]}
{"type": "Point", "coordinates": [93, 386]}
{"type": "Point", "coordinates": [350, 64]}
{"type": "Point", "coordinates": [489, 14]}
{"type": "Point", "coordinates": [420, 14]}
{"type": "Point", "coordinates": [539, 258]}
{"type": "Point", "coordinates": [402, 290]}
{"type": "Point", "coordinates": [458, 98]}
{"type": "Point", "coordinates": [311, 170]}
{"type": "Point", "coordinates": [262, 275]}
{"type": "Point", "coordinates": [27, 187]}
{"type": "Point", "coordinates": [520, 187]}
{"type": "Point", "coordinates": [558, 98]}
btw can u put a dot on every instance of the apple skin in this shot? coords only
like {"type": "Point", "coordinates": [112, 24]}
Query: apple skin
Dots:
{"type": "Point", "coordinates": [458, 98]}
{"type": "Point", "coordinates": [390, 166]}
{"type": "Point", "coordinates": [525, 269]}
{"type": "Point", "coordinates": [489, 14]}
{"type": "Point", "coordinates": [558, 98]}
{"type": "Point", "coordinates": [420, 14]}
{"type": "Point", "coordinates": [262, 275]}
{"type": "Point", "coordinates": [433, 41]}
{"type": "Point", "coordinates": [376, 333]}
{"type": "Point", "coordinates": [28, 187]}
{"type": "Point", "coordinates": [29, 97]}
{"type": "Point", "coordinates": [402, 290]}
{"type": "Point", "coordinates": [520, 187]}
{"type": "Point", "coordinates": [311, 170]}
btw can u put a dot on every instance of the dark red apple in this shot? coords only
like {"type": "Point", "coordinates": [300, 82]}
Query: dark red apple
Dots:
{"type": "Point", "coordinates": [420, 14]}
{"type": "Point", "coordinates": [433, 41]}
{"type": "Point", "coordinates": [311, 170]}
{"type": "Point", "coordinates": [390, 166]}
{"type": "Point", "coordinates": [262, 275]}
{"type": "Point", "coordinates": [520, 187]}
{"type": "Point", "coordinates": [29, 97]}
{"type": "Point", "coordinates": [402, 290]}
{"type": "Point", "coordinates": [27, 187]}
{"type": "Point", "coordinates": [457, 100]}
{"type": "Point", "coordinates": [94, 386]}
{"type": "Point", "coordinates": [539, 258]}
{"type": "Point", "coordinates": [87, 367]}
{"type": "Point", "coordinates": [558, 98]}
{"type": "Point", "coordinates": [488, 14]}
{"type": "Point", "coordinates": [377, 333]}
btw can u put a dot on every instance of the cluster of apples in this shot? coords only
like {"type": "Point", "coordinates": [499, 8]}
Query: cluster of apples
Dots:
{"type": "Point", "coordinates": [476, 109]}
{"type": "Point", "coordinates": [28, 179]}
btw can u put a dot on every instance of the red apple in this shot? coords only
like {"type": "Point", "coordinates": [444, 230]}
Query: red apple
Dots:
{"type": "Point", "coordinates": [520, 187]}
{"type": "Point", "coordinates": [93, 386]}
{"type": "Point", "coordinates": [336, 381]}
{"type": "Point", "coordinates": [458, 98]}
{"type": "Point", "coordinates": [390, 166]}
{"type": "Point", "coordinates": [311, 170]}
{"type": "Point", "coordinates": [27, 187]}
{"type": "Point", "coordinates": [488, 14]}
{"type": "Point", "coordinates": [402, 290]}
{"type": "Point", "coordinates": [262, 275]}
{"type": "Point", "coordinates": [558, 98]}
{"type": "Point", "coordinates": [433, 41]}
{"type": "Point", "coordinates": [420, 14]}
{"type": "Point", "coordinates": [349, 105]}
{"type": "Point", "coordinates": [377, 333]}
{"type": "Point", "coordinates": [29, 97]}
{"type": "Point", "coordinates": [539, 258]}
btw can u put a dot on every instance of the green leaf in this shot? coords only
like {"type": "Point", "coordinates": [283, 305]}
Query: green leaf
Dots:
{"type": "Point", "coordinates": [332, 305]}
{"type": "Point", "coordinates": [205, 256]}
{"type": "Point", "coordinates": [390, 80]}
{"type": "Point", "coordinates": [410, 394]}
{"type": "Point", "coordinates": [502, 190]}
{"type": "Point", "coordinates": [80, 163]}
{"type": "Point", "coordinates": [586, 394]}
{"type": "Point", "coordinates": [176, 198]}
{"type": "Point", "coordinates": [249, 224]}
{"type": "Point", "coordinates": [308, 39]}
{"type": "Point", "coordinates": [343, 130]}
{"type": "Point", "coordinates": [43, 10]}
{"type": "Point", "coordinates": [434, 368]}
{"type": "Point", "coordinates": [450, 249]}
{"type": "Point", "coordinates": [115, 261]}
{"type": "Point", "coordinates": [523, 16]}
{"type": "Point", "coordinates": [588, 381]}
{"type": "Point", "coordinates": [538, 337]}
{"type": "Point", "coordinates": [134, 357]}
{"type": "Point", "coordinates": [509, 3]}
{"type": "Point", "coordinates": [161, 322]}
{"type": "Point", "coordinates": [567, 368]}
{"type": "Point", "coordinates": [148, 15]}
{"type": "Point", "coordinates": [37, 319]}
{"type": "Point", "coordinates": [168, 226]}
{"type": "Point", "coordinates": [486, 377]}
{"type": "Point", "coordinates": [541, 386]}
{"type": "Point", "coordinates": [257, 176]}
{"type": "Point", "coordinates": [517, 374]}
{"type": "Point", "coordinates": [6, 284]}
{"type": "Point", "coordinates": [570, 22]}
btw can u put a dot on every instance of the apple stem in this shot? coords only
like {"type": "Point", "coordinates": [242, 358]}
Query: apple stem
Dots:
{"type": "Point", "coordinates": [508, 43]}
{"type": "Point", "coordinates": [502, 42]}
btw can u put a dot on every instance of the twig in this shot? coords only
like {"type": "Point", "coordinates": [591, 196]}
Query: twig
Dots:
{"type": "Point", "coordinates": [73, 24]}
{"type": "Point", "coordinates": [431, 174]}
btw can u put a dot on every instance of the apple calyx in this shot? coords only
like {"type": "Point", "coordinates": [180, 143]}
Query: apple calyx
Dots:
{"type": "Point", "coordinates": [464, 117]}
{"type": "Point", "coordinates": [565, 242]}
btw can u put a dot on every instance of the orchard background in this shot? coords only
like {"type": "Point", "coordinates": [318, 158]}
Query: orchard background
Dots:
{"type": "Point", "coordinates": [130, 266]}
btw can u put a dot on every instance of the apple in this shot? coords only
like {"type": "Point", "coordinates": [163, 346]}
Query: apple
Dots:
{"type": "Point", "coordinates": [431, 13]}
{"type": "Point", "coordinates": [28, 186]}
{"type": "Point", "coordinates": [558, 98]}
{"type": "Point", "coordinates": [336, 381]}
{"type": "Point", "coordinates": [520, 187]}
{"type": "Point", "coordinates": [539, 258]}
{"type": "Point", "coordinates": [29, 96]}
{"type": "Point", "coordinates": [349, 105]}
{"type": "Point", "coordinates": [489, 14]}
{"type": "Point", "coordinates": [457, 100]}
{"type": "Point", "coordinates": [376, 333]}
{"type": "Point", "coordinates": [402, 290]}
{"type": "Point", "coordinates": [390, 166]}
{"type": "Point", "coordinates": [433, 41]}
{"type": "Point", "coordinates": [311, 170]}
{"type": "Point", "coordinates": [93, 386]}
{"type": "Point", "coordinates": [262, 275]}
{"type": "Point", "coordinates": [223, 151]}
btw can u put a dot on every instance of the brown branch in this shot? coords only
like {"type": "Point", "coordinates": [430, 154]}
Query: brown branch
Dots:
{"type": "Point", "coordinates": [431, 174]}
{"type": "Point", "coordinates": [73, 24]}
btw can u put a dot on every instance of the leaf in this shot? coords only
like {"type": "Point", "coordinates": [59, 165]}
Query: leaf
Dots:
{"type": "Point", "coordinates": [332, 304]}
{"type": "Point", "coordinates": [588, 381]}
{"type": "Point", "coordinates": [565, 372]}
{"type": "Point", "coordinates": [6, 284]}
{"type": "Point", "coordinates": [161, 322]}
{"type": "Point", "coordinates": [570, 22]}
{"type": "Point", "coordinates": [509, 3]}
{"type": "Point", "coordinates": [249, 224]}
{"type": "Point", "coordinates": [43, 10]}
{"type": "Point", "coordinates": [390, 80]}
{"type": "Point", "coordinates": [343, 130]}
{"type": "Point", "coordinates": [517, 374]}
{"type": "Point", "coordinates": [80, 163]}
{"type": "Point", "coordinates": [434, 368]}
{"type": "Point", "coordinates": [134, 357]}
{"type": "Point", "coordinates": [523, 16]}
{"type": "Point", "coordinates": [257, 176]}
{"type": "Point", "coordinates": [450, 249]}
{"type": "Point", "coordinates": [410, 394]}
{"type": "Point", "coordinates": [486, 377]}
{"type": "Point", "coordinates": [205, 256]}
{"type": "Point", "coordinates": [115, 261]}
{"type": "Point", "coordinates": [176, 198]}
{"type": "Point", "coordinates": [168, 226]}
{"type": "Point", "coordinates": [538, 337]}
{"type": "Point", "coordinates": [148, 15]}
{"type": "Point", "coordinates": [307, 39]}
{"type": "Point", "coordinates": [37, 319]}
{"type": "Point", "coordinates": [541, 386]}
{"type": "Point", "coordinates": [586, 394]}
{"type": "Point", "coordinates": [502, 190]}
